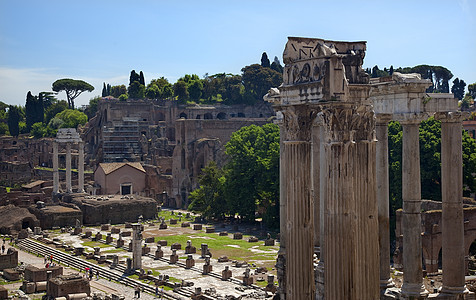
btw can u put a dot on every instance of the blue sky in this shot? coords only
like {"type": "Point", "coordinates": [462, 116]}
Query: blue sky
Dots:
{"type": "Point", "coordinates": [102, 41]}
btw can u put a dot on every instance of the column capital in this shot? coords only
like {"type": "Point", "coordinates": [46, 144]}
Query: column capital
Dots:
{"type": "Point", "coordinates": [345, 123]}
{"type": "Point", "coordinates": [383, 119]}
{"type": "Point", "coordinates": [297, 122]}
{"type": "Point", "coordinates": [411, 118]}
{"type": "Point", "coordinates": [452, 116]}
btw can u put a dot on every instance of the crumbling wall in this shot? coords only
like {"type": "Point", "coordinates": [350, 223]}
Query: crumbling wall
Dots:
{"type": "Point", "coordinates": [9, 260]}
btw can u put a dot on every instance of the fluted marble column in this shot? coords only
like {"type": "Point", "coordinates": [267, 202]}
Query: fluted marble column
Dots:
{"type": "Point", "coordinates": [81, 167]}
{"type": "Point", "coordinates": [411, 217]}
{"type": "Point", "coordinates": [299, 226]}
{"type": "Point", "coordinates": [315, 177]}
{"type": "Point", "coordinates": [383, 200]}
{"type": "Point", "coordinates": [68, 168]}
{"type": "Point", "coordinates": [453, 252]}
{"type": "Point", "coordinates": [351, 250]}
{"type": "Point", "coordinates": [320, 288]}
{"type": "Point", "coordinates": [281, 259]}
{"type": "Point", "coordinates": [55, 168]}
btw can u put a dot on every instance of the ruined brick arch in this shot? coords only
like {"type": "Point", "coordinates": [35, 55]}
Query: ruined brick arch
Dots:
{"type": "Point", "coordinates": [160, 116]}
{"type": "Point", "coordinates": [208, 116]}
{"type": "Point", "coordinates": [221, 116]}
{"type": "Point", "coordinates": [28, 223]}
{"type": "Point", "coordinates": [183, 115]}
{"type": "Point", "coordinates": [469, 238]}
{"type": "Point", "coordinates": [241, 115]}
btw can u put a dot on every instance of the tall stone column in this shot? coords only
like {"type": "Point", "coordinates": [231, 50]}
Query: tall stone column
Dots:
{"type": "Point", "coordinates": [351, 226]}
{"type": "Point", "coordinates": [320, 288]}
{"type": "Point", "coordinates": [136, 247]}
{"type": "Point", "coordinates": [55, 168]}
{"type": "Point", "coordinates": [281, 259]}
{"type": "Point", "coordinates": [299, 227]}
{"type": "Point", "coordinates": [315, 177]}
{"type": "Point", "coordinates": [68, 168]}
{"type": "Point", "coordinates": [80, 167]}
{"type": "Point", "coordinates": [453, 251]}
{"type": "Point", "coordinates": [381, 129]}
{"type": "Point", "coordinates": [411, 217]}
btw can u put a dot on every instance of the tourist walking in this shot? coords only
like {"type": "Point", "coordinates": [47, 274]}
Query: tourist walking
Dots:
{"type": "Point", "coordinates": [137, 292]}
{"type": "Point", "coordinates": [3, 248]}
{"type": "Point", "coordinates": [97, 274]}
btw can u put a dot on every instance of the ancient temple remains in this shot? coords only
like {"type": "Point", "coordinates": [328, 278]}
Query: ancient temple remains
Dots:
{"type": "Point", "coordinates": [68, 136]}
{"type": "Point", "coordinates": [334, 175]}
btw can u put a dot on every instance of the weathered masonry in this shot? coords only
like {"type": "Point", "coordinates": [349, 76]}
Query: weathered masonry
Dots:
{"type": "Point", "coordinates": [68, 136]}
{"type": "Point", "coordinates": [334, 175]}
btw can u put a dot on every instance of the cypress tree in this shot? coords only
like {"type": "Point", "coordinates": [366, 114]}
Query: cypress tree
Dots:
{"type": "Point", "coordinates": [265, 60]}
{"type": "Point", "coordinates": [13, 120]}
{"type": "Point", "coordinates": [141, 78]}
{"type": "Point", "coordinates": [104, 90]}
{"type": "Point", "coordinates": [30, 107]}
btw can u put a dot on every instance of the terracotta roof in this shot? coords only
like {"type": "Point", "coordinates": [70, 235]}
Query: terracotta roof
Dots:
{"type": "Point", "coordinates": [108, 168]}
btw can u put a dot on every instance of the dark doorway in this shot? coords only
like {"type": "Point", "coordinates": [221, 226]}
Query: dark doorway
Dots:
{"type": "Point", "coordinates": [126, 189]}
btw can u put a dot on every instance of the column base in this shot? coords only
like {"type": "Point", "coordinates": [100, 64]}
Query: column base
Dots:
{"type": "Point", "coordinates": [452, 293]}
{"type": "Point", "coordinates": [414, 291]}
{"type": "Point", "coordinates": [384, 284]}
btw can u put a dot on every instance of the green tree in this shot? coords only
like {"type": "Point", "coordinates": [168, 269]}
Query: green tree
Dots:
{"type": "Point", "coordinates": [104, 90]}
{"type": "Point", "coordinates": [252, 180]}
{"type": "Point", "coordinates": [134, 77]}
{"type": "Point", "coordinates": [458, 88]}
{"type": "Point", "coordinates": [34, 110]}
{"type": "Point", "coordinates": [141, 78]}
{"type": "Point", "coordinates": [195, 88]}
{"type": "Point", "coordinates": [257, 81]}
{"type": "Point", "coordinates": [92, 108]}
{"type": "Point", "coordinates": [265, 60]}
{"type": "Point", "coordinates": [14, 120]}
{"type": "Point", "coordinates": [208, 198]}
{"type": "Point", "coordinates": [72, 87]}
{"type": "Point", "coordinates": [38, 130]}
{"type": "Point", "coordinates": [276, 65]}
{"type": "Point", "coordinates": [70, 119]}
{"type": "Point", "coordinates": [472, 90]}
{"type": "Point", "coordinates": [55, 108]}
{"type": "Point", "coordinates": [181, 91]}
{"type": "Point", "coordinates": [118, 90]}
{"type": "Point", "coordinates": [136, 90]}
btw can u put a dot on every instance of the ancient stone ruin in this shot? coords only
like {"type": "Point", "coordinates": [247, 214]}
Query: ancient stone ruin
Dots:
{"type": "Point", "coordinates": [334, 175]}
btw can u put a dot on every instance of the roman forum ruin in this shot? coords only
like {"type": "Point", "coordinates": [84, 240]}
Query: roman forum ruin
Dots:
{"type": "Point", "coordinates": [334, 176]}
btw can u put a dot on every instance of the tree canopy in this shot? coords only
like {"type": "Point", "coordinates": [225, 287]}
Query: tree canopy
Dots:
{"type": "Point", "coordinates": [72, 87]}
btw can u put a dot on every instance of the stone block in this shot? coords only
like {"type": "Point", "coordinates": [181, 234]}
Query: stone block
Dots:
{"type": "Point", "coordinates": [223, 233]}
{"type": "Point", "coordinates": [126, 233]}
{"type": "Point", "coordinates": [77, 231]}
{"type": "Point", "coordinates": [109, 239]}
{"type": "Point", "coordinates": [247, 280]}
{"type": "Point", "coordinates": [119, 243]}
{"type": "Point", "coordinates": [207, 269]}
{"type": "Point", "coordinates": [10, 274]}
{"type": "Point", "coordinates": [190, 249]}
{"type": "Point", "coordinates": [173, 221]}
{"type": "Point", "coordinates": [145, 250]}
{"type": "Point", "coordinates": [173, 258]}
{"type": "Point", "coordinates": [252, 239]}
{"type": "Point", "coordinates": [210, 229]}
{"type": "Point", "coordinates": [149, 240]}
{"type": "Point", "coordinates": [163, 226]}
{"type": "Point", "coordinates": [28, 287]}
{"type": "Point", "coordinates": [197, 226]}
{"type": "Point", "coordinates": [269, 242]}
{"type": "Point", "coordinates": [115, 230]}
{"type": "Point", "coordinates": [88, 234]}
{"type": "Point", "coordinates": [223, 258]}
{"type": "Point", "coordinates": [162, 242]}
{"type": "Point", "coordinates": [176, 246]}
{"type": "Point", "coordinates": [128, 225]}
{"type": "Point", "coordinates": [159, 254]}
{"type": "Point", "coordinates": [98, 236]}
{"type": "Point", "coordinates": [185, 224]}
{"type": "Point", "coordinates": [3, 292]}
{"type": "Point", "coordinates": [189, 262]}
{"type": "Point", "coordinates": [237, 236]}
{"type": "Point", "coordinates": [104, 227]}
{"type": "Point", "coordinates": [41, 286]}
{"type": "Point", "coordinates": [226, 274]}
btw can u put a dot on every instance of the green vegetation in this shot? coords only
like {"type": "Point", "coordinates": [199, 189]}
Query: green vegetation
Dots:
{"type": "Point", "coordinates": [72, 87]}
{"type": "Point", "coordinates": [248, 185]}
{"type": "Point", "coordinates": [95, 244]}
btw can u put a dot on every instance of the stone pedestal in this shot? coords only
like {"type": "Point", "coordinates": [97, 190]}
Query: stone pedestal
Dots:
{"type": "Point", "coordinates": [189, 262]}
{"type": "Point", "coordinates": [173, 257]}
{"type": "Point", "coordinates": [159, 253]}
{"type": "Point", "coordinates": [226, 274]}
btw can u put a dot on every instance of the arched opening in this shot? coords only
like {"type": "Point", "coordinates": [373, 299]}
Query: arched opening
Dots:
{"type": "Point", "coordinates": [168, 172]}
{"type": "Point", "coordinates": [182, 115]}
{"type": "Point", "coordinates": [199, 117]}
{"type": "Point", "coordinates": [241, 115]}
{"type": "Point", "coordinates": [208, 116]}
{"type": "Point", "coordinates": [160, 116]}
{"type": "Point", "coordinates": [221, 116]}
{"type": "Point", "coordinates": [260, 115]}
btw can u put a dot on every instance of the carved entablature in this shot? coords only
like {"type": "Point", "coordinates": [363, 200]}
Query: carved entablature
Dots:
{"type": "Point", "coordinates": [297, 122]}
{"type": "Point", "coordinates": [346, 123]}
